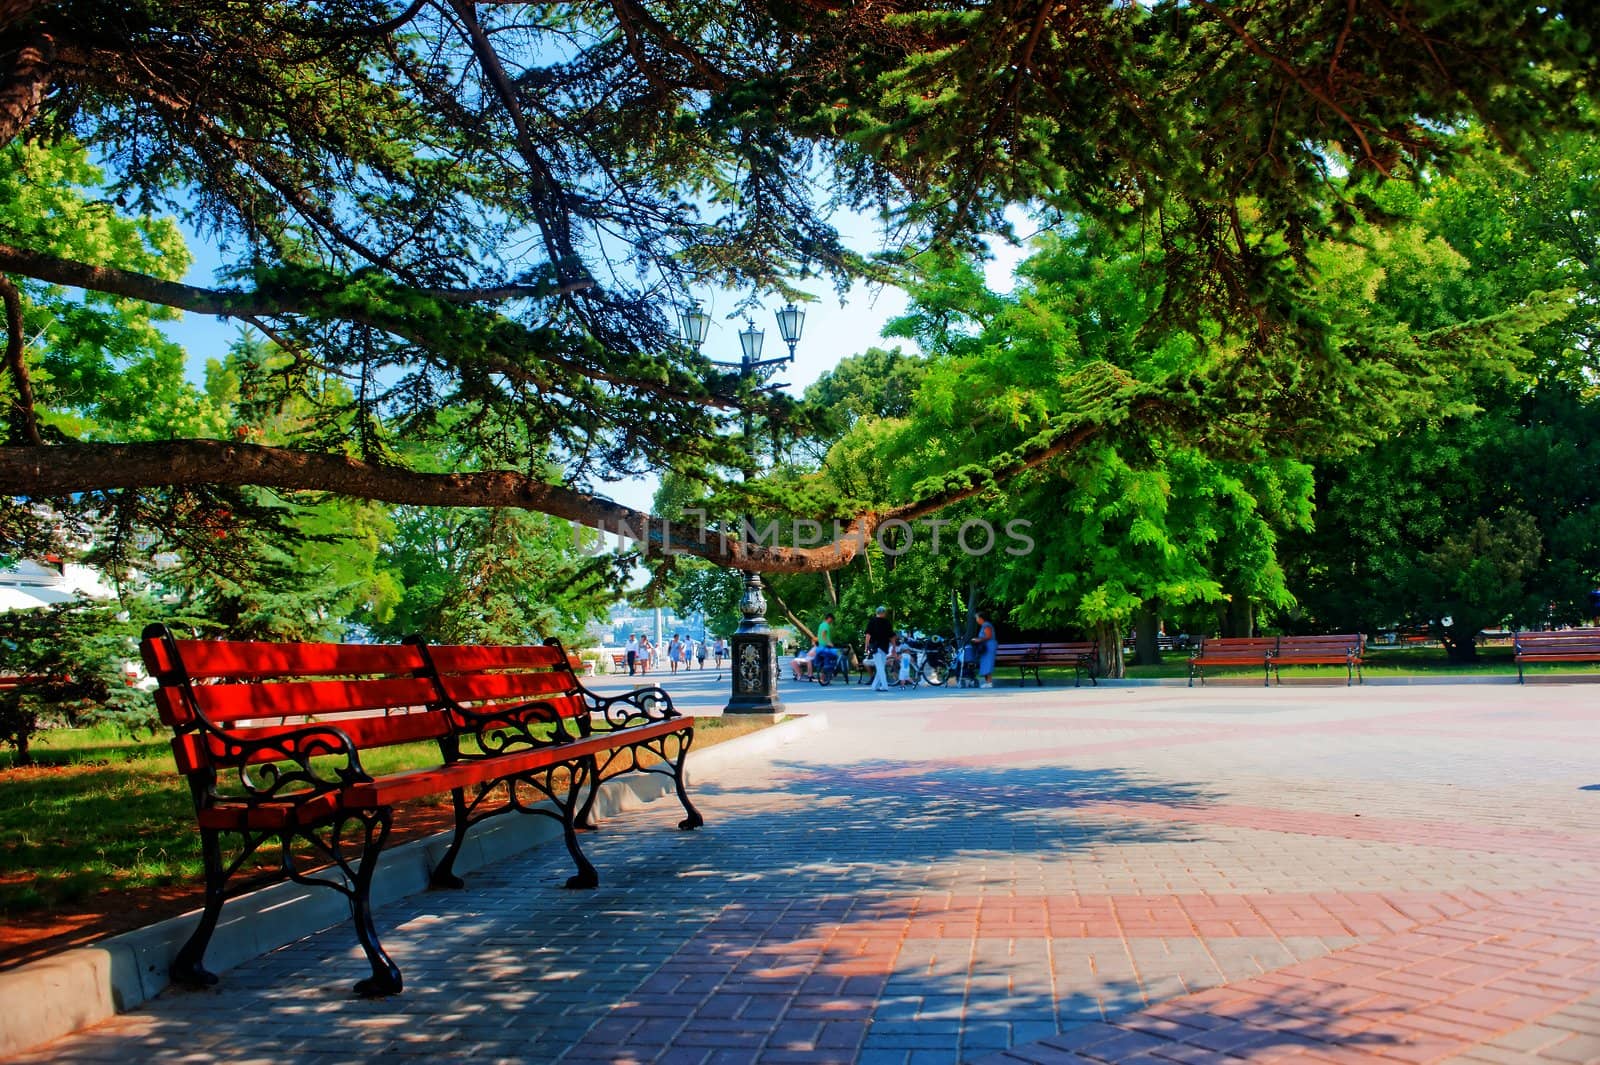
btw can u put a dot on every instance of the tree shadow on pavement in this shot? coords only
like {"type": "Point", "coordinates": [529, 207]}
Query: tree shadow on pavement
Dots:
{"type": "Point", "coordinates": [882, 910]}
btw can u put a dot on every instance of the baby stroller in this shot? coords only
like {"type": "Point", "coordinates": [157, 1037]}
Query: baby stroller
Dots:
{"type": "Point", "coordinates": [967, 667]}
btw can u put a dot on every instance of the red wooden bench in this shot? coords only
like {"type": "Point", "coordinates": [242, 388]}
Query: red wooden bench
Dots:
{"type": "Point", "coordinates": [269, 737]}
{"type": "Point", "coordinates": [1344, 649]}
{"type": "Point", "coordinates": [1232, 652]}
{"type": "Point", "coordinates": [1560, 645]}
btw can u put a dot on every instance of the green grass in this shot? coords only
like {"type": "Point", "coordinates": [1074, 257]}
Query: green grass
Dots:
{"type": "Point", "coordinates": [103, 811]}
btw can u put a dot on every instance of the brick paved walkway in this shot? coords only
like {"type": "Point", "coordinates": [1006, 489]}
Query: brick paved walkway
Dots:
{"type": "Point", "coordinates": [1122, 875]}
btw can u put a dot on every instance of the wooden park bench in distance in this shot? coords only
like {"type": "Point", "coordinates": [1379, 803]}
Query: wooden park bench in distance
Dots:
{"type": "Point", "coordinates": [270, 736]}
{"type": "Point", "coordinates": [1232, 652]}
{"type": "Point", "coordinates": [1019, 655]}
{"type": "Point", "coordinates": [1560, 645]}
{"type": "Point", "coordinates": [1344, 649]}
{"type": "Point", "coordinates": [1082, 655]}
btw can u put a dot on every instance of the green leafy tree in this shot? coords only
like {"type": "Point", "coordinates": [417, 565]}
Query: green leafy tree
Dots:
{"type": "Point", "coordinates": [1480, 577]}
{"type": "Point", "coordinates": [464, 205]}
{"type": "Point", "coordinates": [493, 576]}
{"type": "Point", "coordinates": [1512, 448]}
{"type": "Point", "coordinates": [71, 655]}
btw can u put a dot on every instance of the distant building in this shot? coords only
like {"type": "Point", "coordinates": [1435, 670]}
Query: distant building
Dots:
{"type": "Point", "coordinates": [29, 584]}
{"type": "Point", "coordinates": [658, 623]}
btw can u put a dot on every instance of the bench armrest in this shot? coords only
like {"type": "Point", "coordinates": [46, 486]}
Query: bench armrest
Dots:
{"type": "Point", "coordinates": [505, 728]}
{"type": "Point", "coordinates": [638, 707]}
{"type": "Point", "coordinates": [257, 759]}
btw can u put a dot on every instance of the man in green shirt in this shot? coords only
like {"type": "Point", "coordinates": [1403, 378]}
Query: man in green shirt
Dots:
{"type": "Point", "coordinates": [826, 655]}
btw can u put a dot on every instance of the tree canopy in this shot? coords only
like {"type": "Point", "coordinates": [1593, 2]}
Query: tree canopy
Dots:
{"type": "Point", "coordinates": [479, 217]}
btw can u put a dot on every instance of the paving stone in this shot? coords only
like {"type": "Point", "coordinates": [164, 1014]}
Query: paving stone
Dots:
{"type": "Point", "coordinates": [1123, 874]}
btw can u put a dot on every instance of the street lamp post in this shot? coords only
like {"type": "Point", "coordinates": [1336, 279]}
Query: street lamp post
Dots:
{"type": "Point", "coordinates": [755, 651]}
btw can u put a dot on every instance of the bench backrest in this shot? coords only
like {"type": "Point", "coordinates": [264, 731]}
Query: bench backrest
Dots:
{"type": "Point", "coordinates": [1339, 643]}
{"type": "Point", "coordinates": [1003, 651]}
{"type": "Point", "coordinates": [376, 695]}
{"type": "Point", "coordinates": [1069, 648]}
{"type": "Point", "coordinates": [1560, 641]}
{"type": "Point", "coordinates": [1236, 647]}
{"type": "Point", "coordinates": [532, 683]}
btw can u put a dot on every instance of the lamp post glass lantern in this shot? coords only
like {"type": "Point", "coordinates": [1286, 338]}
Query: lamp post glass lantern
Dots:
{"type": "Point", "coordinates": [755, 649]}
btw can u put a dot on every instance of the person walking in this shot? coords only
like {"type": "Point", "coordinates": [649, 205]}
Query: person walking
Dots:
{"type": "Point", "coordinates": [647, 651]}
{"type": "Point", "coordinates": [700, 653]}
{"type": "Point", "coordinates": [674, 653]}
{"type": "Point", "coordinates": [879, 635]}
{"type": "Point", "coordinates": [985, 644]}
{"type": "Point", "coordinates": [632, 648]}
{"type": "Point", "coordinates": [720, 651]}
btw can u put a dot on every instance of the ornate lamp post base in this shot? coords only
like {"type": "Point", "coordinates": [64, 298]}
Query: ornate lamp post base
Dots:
{"type": "Point", "coordinates": [755, 657]}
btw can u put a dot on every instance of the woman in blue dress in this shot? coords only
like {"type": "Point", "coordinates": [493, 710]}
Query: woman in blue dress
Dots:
{"type": "Point", "coordinates": [985, 643]}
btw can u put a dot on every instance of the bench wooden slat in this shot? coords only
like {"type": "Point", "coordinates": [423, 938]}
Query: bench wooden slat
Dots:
{"type": "Point", "coordinates": [250, 660]}
{"type": "Point", "coordinates": [450, 658]}
{"type": "Point", "coordinates": [1574, 654]}
{"type": "Point", "coordinates": [222, 703]}
{"type": "Point", "coordinates": [506, 687]}
{"type": "Point", "coordinates": [1234, 648]}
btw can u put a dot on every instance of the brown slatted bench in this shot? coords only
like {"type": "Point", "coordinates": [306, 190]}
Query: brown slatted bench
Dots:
{"type": "Point", "coordinates": [1560, 645]}
{"type": "Point", "coordinates": [1343, 649]}
{"type": "Point", "coordinates": [1021, 655]}
{"type": "Point", "coordinates": [1232, 652]}
{"type": "Point", "coordinates": [269, 737]}
{"type": "Point", "coordinates": [1082, 655]}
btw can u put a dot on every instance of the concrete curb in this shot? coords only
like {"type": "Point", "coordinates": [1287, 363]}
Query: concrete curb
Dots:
{"type": "Point", "coordinates": [58, 995]}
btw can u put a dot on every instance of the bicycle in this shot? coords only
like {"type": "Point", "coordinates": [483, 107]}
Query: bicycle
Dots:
{"type": "Point", "coordinates": [831, 662]}
{"type": "Point", "coordinates": [930, 661]}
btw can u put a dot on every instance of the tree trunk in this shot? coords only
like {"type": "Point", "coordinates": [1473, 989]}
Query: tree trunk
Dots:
{"type": "Point", "coordinates": [967, 627]}
{"type": "Point", "coordinates": [1460, 647]}
{"type": "Point", "coordinates": [18, 723]}
{"type": "Point", "coordinates": [1146, 633]}
{"type": "Point", "coordinates": [1108, 637]}
{"type": "Point", "coordinates": [24, 86]}
{"type": "Point", "coordinates": [789, 614]}
{"type": "Point", "coordinates": [1237, 617]}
